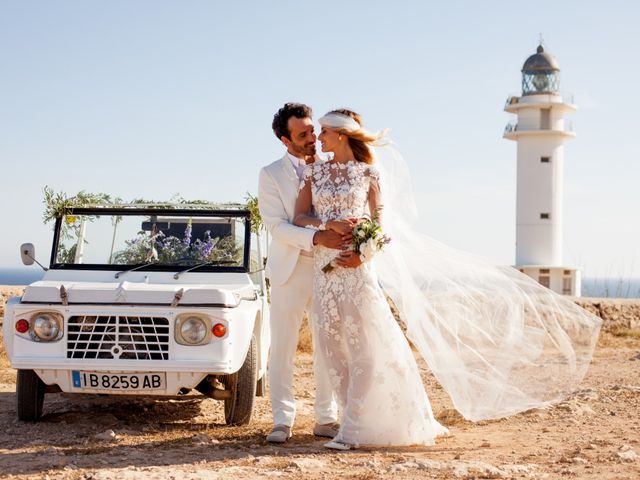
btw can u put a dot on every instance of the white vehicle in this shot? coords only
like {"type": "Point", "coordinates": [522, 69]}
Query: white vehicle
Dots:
{"type": "Point", "coordinates": [144, 301]}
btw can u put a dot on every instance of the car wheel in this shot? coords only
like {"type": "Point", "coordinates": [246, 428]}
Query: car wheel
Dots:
{"type": "Point", "coordinates": [261, 387]}
{"type": "Point", "coordinates": [30, 395]}
{"type": "Point", "coordinates": [242, 385]}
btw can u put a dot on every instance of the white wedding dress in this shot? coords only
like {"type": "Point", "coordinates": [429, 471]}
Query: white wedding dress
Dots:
{"type": "Point", "coordinates": [371, 366]}
{"type": "Point", "coordinates": [497, 341]}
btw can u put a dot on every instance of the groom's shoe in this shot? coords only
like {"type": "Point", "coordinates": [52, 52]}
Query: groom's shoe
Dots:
{"type": "Point", "coordinates": [279, 434]}
{"type": "Point", "coordinates": [328, 430]}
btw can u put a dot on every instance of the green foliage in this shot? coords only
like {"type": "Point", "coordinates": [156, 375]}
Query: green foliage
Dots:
{"type": "Point", "coordinates": [145, 248]}
{"type": "Point", "coordinates": [58, 204]}
{"type": "Point", "coordinates": [66, 255]}
{"type": "Point", "coordinates": [171, 250]}
{"type": "Point", "coordinates": [256, 218]}
{"type": "Point", "coordinates": [226, 250]}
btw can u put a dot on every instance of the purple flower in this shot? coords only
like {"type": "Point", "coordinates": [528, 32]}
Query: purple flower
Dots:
{"type": "Point", "coordinates": [186, 241]}
{"type": "Point", "coordinates": [208, 246]}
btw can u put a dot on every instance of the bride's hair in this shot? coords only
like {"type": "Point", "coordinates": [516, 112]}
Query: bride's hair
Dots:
{"type": "Point", "coordinates": [359, 140]}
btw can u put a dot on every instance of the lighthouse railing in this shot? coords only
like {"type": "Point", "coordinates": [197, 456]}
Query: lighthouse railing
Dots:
{"type": "Point", "coordinates": [564, 97]}
{"type": "Point", "coordinates": [514, 126]}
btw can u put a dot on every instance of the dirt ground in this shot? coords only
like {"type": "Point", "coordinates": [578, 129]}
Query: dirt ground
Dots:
{"type": "Point", "coordinates": [594, 434]}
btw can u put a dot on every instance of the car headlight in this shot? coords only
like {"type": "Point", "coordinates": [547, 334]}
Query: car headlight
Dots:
{"type": "Point", "coordinates": [46, 327]}
{"type": "Point", "coordinates": [193, 330]}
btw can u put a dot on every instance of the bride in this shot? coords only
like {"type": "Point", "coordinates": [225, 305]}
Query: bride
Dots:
{"type": "Point", "coordinates": [497, 341]}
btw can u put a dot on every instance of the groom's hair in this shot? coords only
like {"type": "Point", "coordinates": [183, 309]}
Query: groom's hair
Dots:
{"type": "Point", "coordinates": [282, 116]}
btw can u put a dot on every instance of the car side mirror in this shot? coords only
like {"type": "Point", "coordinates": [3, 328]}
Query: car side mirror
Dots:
{"type": "Point", "coordinates": [28, 253]}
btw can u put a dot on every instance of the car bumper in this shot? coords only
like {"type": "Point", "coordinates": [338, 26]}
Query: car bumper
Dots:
{"type": "Point", "coordinates": [175, 380]}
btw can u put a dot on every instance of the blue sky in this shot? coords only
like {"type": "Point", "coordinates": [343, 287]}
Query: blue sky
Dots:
{"type": "Point", "coordinates": [154, 98]}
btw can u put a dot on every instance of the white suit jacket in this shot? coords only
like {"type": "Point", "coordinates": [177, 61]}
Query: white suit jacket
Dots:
{"type": "Point", "coordinates": [277, 193]}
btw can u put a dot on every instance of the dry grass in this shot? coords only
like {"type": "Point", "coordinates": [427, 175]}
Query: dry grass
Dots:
{"type": "Point", "coordinates": [629, 338]}
{"type": "Point", "coordinates": [628, 333]}
{"type": "Point", "coordinates": [5, 293]}
{"type": "Point", "coordinates": [451, 416]}
{"type": "Point", "coordinates": [304, 341]}
{"type": "Point", "coordinates": [366, 476]}
{"type": "Point", "coordinates": [4, 360]}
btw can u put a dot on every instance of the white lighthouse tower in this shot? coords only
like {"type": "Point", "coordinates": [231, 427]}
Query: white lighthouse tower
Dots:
{"type": "Point", "coordinates": [540, 131]}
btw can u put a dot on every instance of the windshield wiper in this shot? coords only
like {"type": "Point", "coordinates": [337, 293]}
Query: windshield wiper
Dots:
{"type": "Point", "coordinates": [176, 276]}
{"type": "Point", "coordinates": [117, 275]}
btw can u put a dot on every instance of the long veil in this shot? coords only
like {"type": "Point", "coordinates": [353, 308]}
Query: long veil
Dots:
{"type": "Point", "coordinates": [496, 340]}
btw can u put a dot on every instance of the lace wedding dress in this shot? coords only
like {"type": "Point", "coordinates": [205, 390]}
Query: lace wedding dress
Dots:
{"type": "Point", "coordinates": [371, 366]}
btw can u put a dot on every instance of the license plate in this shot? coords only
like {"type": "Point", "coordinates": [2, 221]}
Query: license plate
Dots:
{"type": "Point", "coordinates": [118, 381]}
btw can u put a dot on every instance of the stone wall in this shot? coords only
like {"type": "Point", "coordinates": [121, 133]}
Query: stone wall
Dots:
{"type": "Point", "coordinates": [618, 314]}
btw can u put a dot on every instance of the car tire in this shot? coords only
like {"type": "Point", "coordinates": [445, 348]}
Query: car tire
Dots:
{"type": "Point", "coordinates": [261, 387]}
{"type": "Point", "coordinates": [30, 395]}
{"type": "Point", "coordinates": [242, 385]}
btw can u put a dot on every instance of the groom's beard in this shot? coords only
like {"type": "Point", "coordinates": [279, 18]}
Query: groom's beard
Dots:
{"type": "Point", "coordinates": [308, 150]}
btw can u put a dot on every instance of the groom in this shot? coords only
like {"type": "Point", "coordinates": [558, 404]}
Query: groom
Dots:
{"type": "Point", "coordinates": [290, 272]}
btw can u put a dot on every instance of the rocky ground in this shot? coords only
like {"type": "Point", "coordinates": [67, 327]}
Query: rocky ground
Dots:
{"type": "Point", "coordinates": [594, 434]}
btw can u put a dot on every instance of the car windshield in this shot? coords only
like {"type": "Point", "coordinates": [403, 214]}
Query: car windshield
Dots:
{"type": "Point", "coordinates": [171, 240]}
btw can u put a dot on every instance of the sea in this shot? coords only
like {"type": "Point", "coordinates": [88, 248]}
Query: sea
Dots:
{"type": "Point", "coordinates": [20, 276]}
{"type": "Point", "coordinates": [591, 287]}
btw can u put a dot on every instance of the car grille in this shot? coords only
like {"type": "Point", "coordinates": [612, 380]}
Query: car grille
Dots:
{"type": "Point", "coordinates": [118, 337]}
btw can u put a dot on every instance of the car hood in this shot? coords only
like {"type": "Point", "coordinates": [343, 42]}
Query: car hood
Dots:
{"type": "Point", "coordinates": [133, 293]}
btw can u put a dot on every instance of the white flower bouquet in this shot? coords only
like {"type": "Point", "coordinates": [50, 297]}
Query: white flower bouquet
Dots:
{"type": "Point", "coordinates": [367, 238]}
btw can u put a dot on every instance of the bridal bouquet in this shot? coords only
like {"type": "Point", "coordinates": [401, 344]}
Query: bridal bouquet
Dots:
{"type": "Point", "coordinates": [367, 239]}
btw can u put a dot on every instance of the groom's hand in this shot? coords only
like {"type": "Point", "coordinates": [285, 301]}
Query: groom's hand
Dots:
{"type": "Point", "coordinates": [331, 239]}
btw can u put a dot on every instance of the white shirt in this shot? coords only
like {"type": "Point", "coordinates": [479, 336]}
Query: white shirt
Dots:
{"type": "Point", "coordinates": [298, 164]}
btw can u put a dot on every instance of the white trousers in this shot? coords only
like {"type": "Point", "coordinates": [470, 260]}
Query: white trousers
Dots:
{"type": "Point", "coordinates": [288, 304]}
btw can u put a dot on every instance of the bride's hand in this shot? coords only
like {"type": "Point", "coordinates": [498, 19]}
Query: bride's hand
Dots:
{"type": "Point", "coordinates": [348, 259]}
{"type": "Point", "coordinates": [343, 227]}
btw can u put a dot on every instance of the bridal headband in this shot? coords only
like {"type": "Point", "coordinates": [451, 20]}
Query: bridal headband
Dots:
{"type": "Point", "coordinates": [339, 121]}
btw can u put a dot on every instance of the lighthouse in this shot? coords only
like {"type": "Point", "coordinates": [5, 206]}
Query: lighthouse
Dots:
{"type": "Point", "coordinates": [540, 131]}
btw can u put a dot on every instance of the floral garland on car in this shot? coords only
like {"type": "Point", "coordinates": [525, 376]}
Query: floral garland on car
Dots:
{"type": "Point", "coordinates": [58, 204]}
{"type": "Point", "coordinates": [159, 247]}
